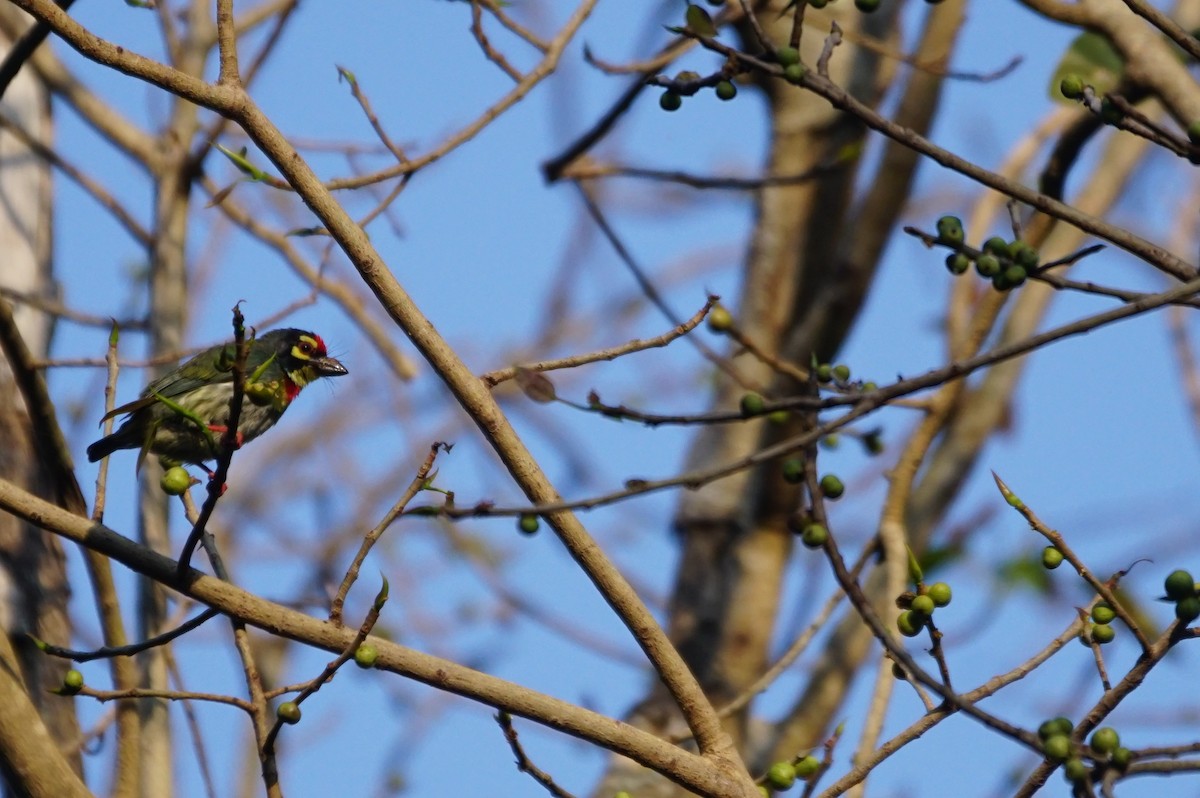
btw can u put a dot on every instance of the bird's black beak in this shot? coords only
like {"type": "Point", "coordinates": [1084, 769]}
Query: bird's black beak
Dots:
{"type": "Point", "coordinates": [329, 367]}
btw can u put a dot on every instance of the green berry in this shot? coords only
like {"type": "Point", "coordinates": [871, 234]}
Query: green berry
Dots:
{"type": "Point", "coordinates": [814, 536]}
{"type": "Point", "coordinates": [950, 230]}
{"type": "Point", "coordinates": [366, 655]}
{"type": "Point", "coordinates": [830, 441]}
{"type": "Point", "coordinates": [841, 372]}
{"type": "Point", "coordinates": [1179, 585]}
{"type": "Point", "coordinates": [1023, 255]}
{"type": "Point", "coordinates": [873, 443]}
{"type": "Point", "coordinates": [987, 265]}
{"type": "Point", "coordinates": [1014, 275]}
{"type": "Point", "coordinates": [793, 470]}
{"type": "Point", "coordinates": [794, 73]}
{"type": "Point", "coordinates": [175, 481]}
{"type": "Point", "coordinates": [1103, 634]}
{"type": "Point", "coordinates": [778, 417]}
{"type": "Point", "coordinates": [752, 405]}
{"type": "Point", "coordinates": [782, 775]}
{"type": "Point", "coordinates": [288, 712]}
{"type": "Point", "coordinates": [1102, 613]}
{"type": "Point", "coordinates": [719, 319]}
{"type": "Point", "coordinates": [922, 605]}
{"type": "Point", "coordinates": [824, 373]}
{"type": "Point", "coordinates": [670, 101]}
{"type": "Point", "coordinates": [958, 263]}
{"type": "Point", "coordinates": [72, 682]}
{"type": "Point", "coordinates": [909, 623]}
{"type": "Point", "coordinates": [725, 90]}
{"type": "Point", "coordinates": [1122, 757]}
{"type": "Point", "coordinates": [996, 246]}
{"type": "Point", "coordinates": [867, 387]}
{"type": "Point", "coordinates": [940, 593]}
{"type": "Point", "coordinates": [528, 523]}
{"type": "Point", "coordinates": [807, 766]}
{"type": "Point", "coordinates": [1105, 740]}
{"type": "Point", "coordinates": [832, 487]}
{"type": "Point", "coordinates": [898, 672]}
{"type": "Point", "coordinates": [1059, 725]}
{"type": "Point", "coordinates": [786, 56]}
{"type": "Point", "coordinates": [866, 6]}
{"type": "Point", "coordinates": [1057, 747]}
{"type": "Point", "coordinates": [1051, 558]}
{"type": "Point", "coordinates": [1188, 609]}
{"type": "Point", "coordinates": [1071, 87]}
{"type": "Point", "coordinates": [1075, 770]}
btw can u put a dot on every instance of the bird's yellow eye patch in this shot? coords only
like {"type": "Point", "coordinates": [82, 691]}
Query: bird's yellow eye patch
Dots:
{"type": "Point", "coordinates": [305, 349]}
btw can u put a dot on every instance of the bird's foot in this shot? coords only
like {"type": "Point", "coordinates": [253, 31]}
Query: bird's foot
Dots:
{"type": "Point", "coordinates": [238, 438]}
{"type": "Point", "coordinates": [213, 475]}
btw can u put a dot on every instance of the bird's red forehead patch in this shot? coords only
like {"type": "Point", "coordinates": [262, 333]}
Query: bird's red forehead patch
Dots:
{"type": "Point", "coordinates": [318, 345]}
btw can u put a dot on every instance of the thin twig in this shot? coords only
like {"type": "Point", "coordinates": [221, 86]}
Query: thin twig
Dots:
{"type": "Point", "coordinates": [369, 540]}
{"type": "Point", "coordinates": [494, 378]}
{"type": "Point", "coordinates": [524, 764]}
{"type": "Point", "coordinates": [104, 652]}
{"type": "Point", "coordinates": [1059, 542]}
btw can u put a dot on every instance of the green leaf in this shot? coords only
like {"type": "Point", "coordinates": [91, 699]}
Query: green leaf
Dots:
{"type": "Point", "coordinates": [382, 596]}
{"type": "Point", "coordinates": [242, 163]}
{"type": "Point", "coordinates": [1092, 57]}
{"type": "Point", "coordinates": [699, 22]}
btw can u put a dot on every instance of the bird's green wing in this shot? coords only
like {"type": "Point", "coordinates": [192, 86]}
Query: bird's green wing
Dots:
{"type": "Point", "coordinates": [212, 366]}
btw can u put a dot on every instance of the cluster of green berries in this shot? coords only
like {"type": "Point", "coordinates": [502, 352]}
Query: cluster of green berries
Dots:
{"type": "Point", "coordinates": [832, 486]}
{"type": "Point", "coordinates": [1181, 589]}
{"type": "Point", "coordinates": [1100, 629]}
{"type": "Point", "coordinates": [789, 58]}
{"type": "Point", "coordinates": [839, 374]}
{"type": "Point", "coordinates": [919, 610]}
{"type": "Point", "coordinates": [1006, 263]}
{"type": "Point", "coordinates": [672, 99]}
{"type": "Point", "coordinates": [1105, 745]}
{"type": "Point", "coordinates": [781, 776]}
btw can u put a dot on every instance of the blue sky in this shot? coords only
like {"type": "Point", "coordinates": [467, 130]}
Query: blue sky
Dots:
{"type": "Point", "coordinates": [1100, 443]}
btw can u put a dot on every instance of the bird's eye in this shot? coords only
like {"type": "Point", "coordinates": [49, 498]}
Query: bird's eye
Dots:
{"type": "Point", "coordinates": [306, 347]}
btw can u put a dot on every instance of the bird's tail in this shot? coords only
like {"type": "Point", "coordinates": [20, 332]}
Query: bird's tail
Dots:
{"type": "Point", "coordinates": [103, 448]}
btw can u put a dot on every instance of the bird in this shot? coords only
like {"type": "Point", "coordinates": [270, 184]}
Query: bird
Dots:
{"type": "Point", "coordinates": [181, 416]}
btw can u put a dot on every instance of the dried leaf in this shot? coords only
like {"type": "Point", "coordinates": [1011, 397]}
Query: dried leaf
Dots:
{"type": "Point", "coordinates": [536, 385]}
